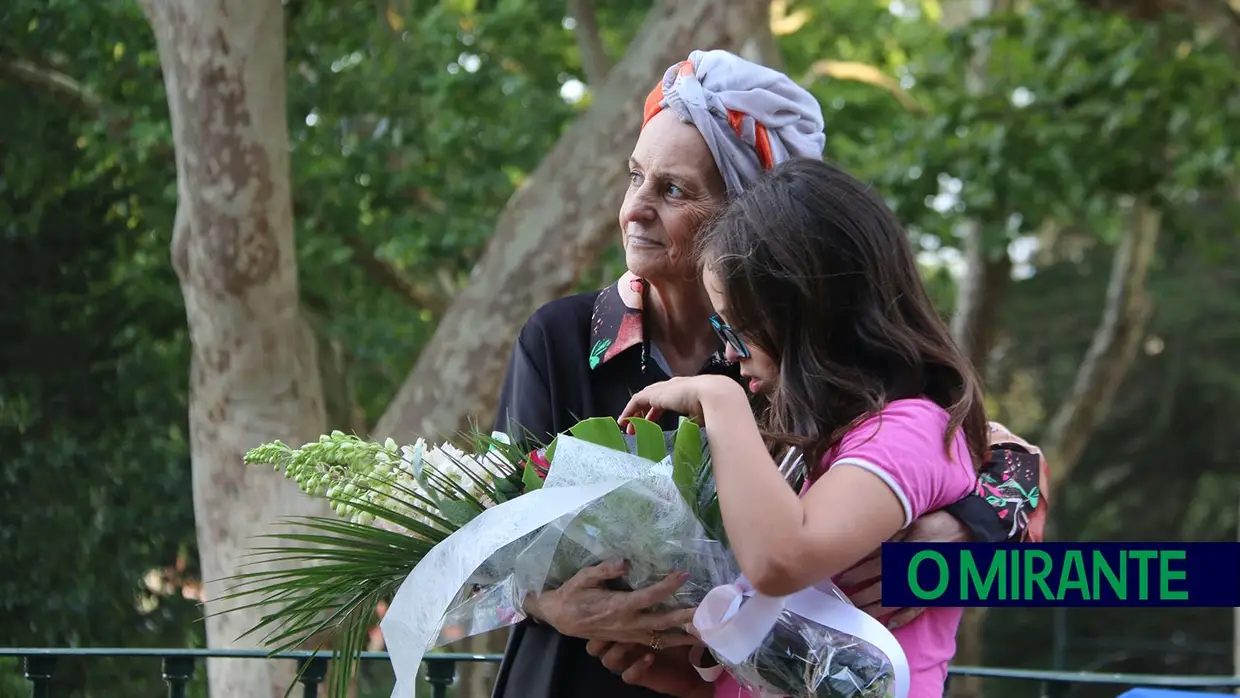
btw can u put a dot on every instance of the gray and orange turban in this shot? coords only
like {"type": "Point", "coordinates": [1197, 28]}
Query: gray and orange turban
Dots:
{"type": "Point", "coordinates": [752, 117]}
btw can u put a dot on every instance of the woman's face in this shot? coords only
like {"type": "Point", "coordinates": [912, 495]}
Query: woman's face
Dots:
{"type": "Point", "coordinates": [674, 186]}
{"type": "Point", "coordinates": [759, 369]}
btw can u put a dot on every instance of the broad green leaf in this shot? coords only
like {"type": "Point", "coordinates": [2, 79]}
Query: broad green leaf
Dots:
{"type": "Point", "coordinates": [601, 431]}
{"type": "Point", "coordinates": [459, 512]}
{"type": "Point", "coordinates": [712, 520]}
{"type": "Point", "coordinates": [687, 459]}
{"type": "Point", "coordinates": [529, 478]}
{"type": "Point", "coordinates": [550, 455]}
{"type": "Point", "coordinates": [506, 489]}
{"type": "Point", "coordinates": [650, 442]}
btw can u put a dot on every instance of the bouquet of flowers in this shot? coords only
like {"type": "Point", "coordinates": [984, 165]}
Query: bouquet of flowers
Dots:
{"type": "Point", "coordinates": [458, 539]}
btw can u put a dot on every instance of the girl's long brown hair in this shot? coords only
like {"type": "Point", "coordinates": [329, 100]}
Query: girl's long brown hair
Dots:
{"type": "Point", "coordinates": [817, 272]}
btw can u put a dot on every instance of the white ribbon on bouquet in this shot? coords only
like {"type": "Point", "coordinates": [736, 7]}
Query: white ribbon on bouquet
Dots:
{"type": "Point", "coordinates": [734, 620]}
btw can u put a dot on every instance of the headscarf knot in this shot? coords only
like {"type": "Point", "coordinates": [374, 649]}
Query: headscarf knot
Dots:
{"type": "Point", "coordinates": [751, 116]}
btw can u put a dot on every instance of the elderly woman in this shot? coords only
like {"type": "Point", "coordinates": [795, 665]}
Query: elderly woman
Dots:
{"type": "Point", "coordinates": [710, 127]}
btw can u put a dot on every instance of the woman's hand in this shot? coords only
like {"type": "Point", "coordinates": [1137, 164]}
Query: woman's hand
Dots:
{"type": "Point", "coordinates": [682, 394]}
{"type": "Point", "coordinates": [667, 671]}
{"type": "Point", "coordinates": [584, 608]}
{"type": "Point", "coordinates": [935, 527]}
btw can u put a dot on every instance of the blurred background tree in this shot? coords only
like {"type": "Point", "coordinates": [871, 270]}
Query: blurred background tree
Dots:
{"type": "Point", "coordinates": [1068, 170]}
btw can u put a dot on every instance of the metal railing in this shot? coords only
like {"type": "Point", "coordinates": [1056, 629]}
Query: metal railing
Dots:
{"type": "Point", "coordinates": [178, 666]}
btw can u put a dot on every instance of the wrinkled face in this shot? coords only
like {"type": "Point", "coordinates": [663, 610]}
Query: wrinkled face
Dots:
{"type": "Point", "coordinates": [759, 369]}
{"type": "Point", "coordinates": [674, 186]}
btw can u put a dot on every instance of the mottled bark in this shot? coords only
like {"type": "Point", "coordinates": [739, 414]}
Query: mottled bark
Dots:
{"type": "Point", "coordinates": [253, 374]}
{"type": "Point", "coordinates": [554, 226]}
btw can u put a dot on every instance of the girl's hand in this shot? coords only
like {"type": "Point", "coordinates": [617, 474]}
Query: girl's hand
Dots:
{"type": "Point", "coordinates": [683, 395]}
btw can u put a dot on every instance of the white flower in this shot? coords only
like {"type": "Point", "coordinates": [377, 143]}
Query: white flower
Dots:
{"type": "Point", "coordinates": [465, 470]}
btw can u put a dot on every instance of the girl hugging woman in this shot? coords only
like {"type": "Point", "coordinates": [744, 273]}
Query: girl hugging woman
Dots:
{"type": "Point", "coordinates": [819, 299]}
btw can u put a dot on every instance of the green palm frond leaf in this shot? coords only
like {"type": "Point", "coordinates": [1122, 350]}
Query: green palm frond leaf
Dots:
{"type": "Point", "coordinates": [324, 577]}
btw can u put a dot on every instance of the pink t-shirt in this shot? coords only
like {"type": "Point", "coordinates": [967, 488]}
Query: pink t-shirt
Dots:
{"type": "Point", "coordinates": [903, 446]}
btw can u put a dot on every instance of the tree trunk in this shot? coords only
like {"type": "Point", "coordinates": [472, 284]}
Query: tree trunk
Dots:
{"type": "Point", "coordinates": [979, 297]}
{"type": "Point", "coordinates": [253, 374]}
{"type": "Point", "coordinates": [762, 46]}
{"type": "Point", "coordinates": [594, 59]}
{"type": "Point", "coordinates": [339, 397]}
{"type": "Point", "coordinates": [1113, 348]}
{"type": "Point", "coordinates": [555, 226]}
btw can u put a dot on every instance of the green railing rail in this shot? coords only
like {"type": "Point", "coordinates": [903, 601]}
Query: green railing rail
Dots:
{"type": "Point", "coordinates": [178, 665]}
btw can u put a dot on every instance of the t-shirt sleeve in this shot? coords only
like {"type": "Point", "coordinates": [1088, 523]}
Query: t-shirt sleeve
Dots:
{"type": "Point", "coordinates": [903, 446]}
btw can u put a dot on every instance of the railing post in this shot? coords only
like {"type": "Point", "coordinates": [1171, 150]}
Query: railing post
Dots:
{"type": "Point", "coordinates": [440, 673]}
{"type": "Point", "coordinates": [1055, 688]}
{"type": "Point", "coordinates": [38, 671]}
{"type": "Point", "coordinates": [313, 671]}
{"type": "Point", "coordinates": [177, 671]}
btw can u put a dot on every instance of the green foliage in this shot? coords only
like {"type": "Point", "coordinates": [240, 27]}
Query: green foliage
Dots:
{"type": "Point", "coordinates": [530, 478]}
{"type": "Point", "coordinates": [687, 460]}
{"type": "Point", "coordinates": [601, 431]}
{"type": "Point", "coordinates": [651, 444]}
{"type": "Point", "coordinates": [332, 583]}
{"type": "Point", "coordinates": [97, 513]}
{"type": "Point", "coordinates": [405, 148]}
{"type": "Point", "coordinates": [1074, 110]}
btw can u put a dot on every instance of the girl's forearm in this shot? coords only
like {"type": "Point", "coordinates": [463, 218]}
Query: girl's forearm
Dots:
{"type": "Point", "coordinates": [762, 515]}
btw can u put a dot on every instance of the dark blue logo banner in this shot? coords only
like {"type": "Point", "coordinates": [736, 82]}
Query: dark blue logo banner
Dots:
{"type": "Point", "coordinates": [1061, 574]}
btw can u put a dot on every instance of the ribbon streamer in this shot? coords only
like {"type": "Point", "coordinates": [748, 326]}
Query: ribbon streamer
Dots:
{"type": "Point", "coordinates": [734, 619]}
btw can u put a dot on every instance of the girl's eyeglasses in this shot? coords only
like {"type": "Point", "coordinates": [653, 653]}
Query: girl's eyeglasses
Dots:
{"type": "Point", "coordinates": [729, 336]}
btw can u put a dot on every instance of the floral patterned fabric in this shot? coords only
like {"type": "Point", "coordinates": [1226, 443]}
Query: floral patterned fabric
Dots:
{"type": "Point", "coordinates": [1015, 482]}
{"type": "Point", "coordinates": [617, 324]}
{"type": "Point", "coordinates": [617, 321]}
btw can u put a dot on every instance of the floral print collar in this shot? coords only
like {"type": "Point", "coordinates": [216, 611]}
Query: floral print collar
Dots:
{"type": "Point", "coordinates": [617, 325]}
